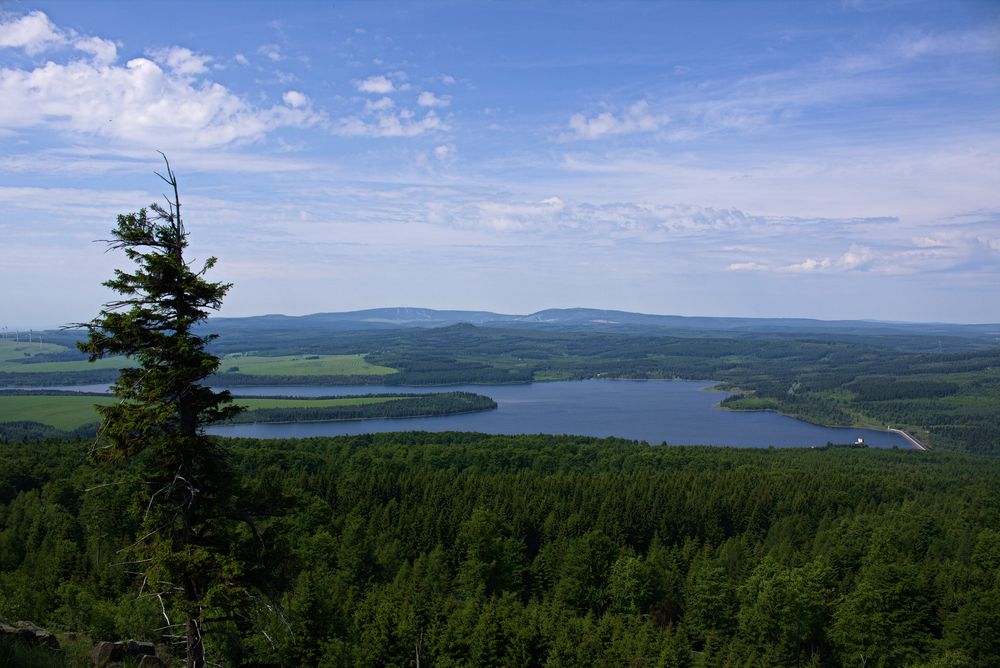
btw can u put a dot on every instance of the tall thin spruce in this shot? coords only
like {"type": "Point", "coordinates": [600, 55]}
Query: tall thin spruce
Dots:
{"type": "Point", "coordinates": [157, 426]}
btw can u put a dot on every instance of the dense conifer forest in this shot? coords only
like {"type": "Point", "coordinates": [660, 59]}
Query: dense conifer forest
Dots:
{"type": "Point", "coordinates": [470, 549]}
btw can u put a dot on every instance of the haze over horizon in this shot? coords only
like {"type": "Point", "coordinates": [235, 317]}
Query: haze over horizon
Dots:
{"type": "Point", "coordinates": [832, 160]}
{"type": "Point", "coordinates": [503, 316]}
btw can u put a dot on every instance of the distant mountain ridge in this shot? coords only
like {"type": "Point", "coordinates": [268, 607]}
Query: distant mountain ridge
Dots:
{"type": "Point", "coordinates": [596, 319]}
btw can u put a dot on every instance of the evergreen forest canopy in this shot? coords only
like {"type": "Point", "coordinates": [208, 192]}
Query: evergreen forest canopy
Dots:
{"type": "Point", "coordinates": [534, 550]}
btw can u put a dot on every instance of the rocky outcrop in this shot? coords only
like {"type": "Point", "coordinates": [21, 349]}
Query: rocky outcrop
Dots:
{"type": "Point", "coordinates": [103, 653]}
{"type": "Point", "coordinates": [29, 635]}
{"type": "Point", "coordinates": [107, 653]}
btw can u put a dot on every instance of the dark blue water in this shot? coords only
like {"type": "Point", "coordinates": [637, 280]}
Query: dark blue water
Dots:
{"type": "Point", "coordinates": [675, 412]}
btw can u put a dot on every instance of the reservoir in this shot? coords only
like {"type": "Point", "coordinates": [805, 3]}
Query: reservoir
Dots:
{"type": "Point", "coordinates": [675, 412]}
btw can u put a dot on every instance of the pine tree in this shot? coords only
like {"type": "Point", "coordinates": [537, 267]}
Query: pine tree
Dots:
{"type": "Point", "coordinates": [158, 424]}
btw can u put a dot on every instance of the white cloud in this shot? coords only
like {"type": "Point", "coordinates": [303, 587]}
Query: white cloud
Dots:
{"type": "Point", "coordinates": [928, 242]}
{"type": "Point", "coordinates": [807, 265]}
{"type": "Point", "coordinates": [181, 61]}
{"type": "Point", "coordinates": [515, 216]}
{"type": "Point", "coordinates": [429, 99]}
{"type": "Point", "coordinates": [103, 51]}
{"type": "Point", "coordinates": [444, 151]}
{"type": "Point", "coordinates": [747, 266]}
{"type": "Point", "coordinates": [904, 48]}
{"type": "Point", "coordinates": [271, 51]}
{"type": "Point", "coordinates": [241, 59]}
{"type": "Point", "coordinates": [138, 103]}
{"type": "Point", "coordinates": [295, 99]}
{"type": "Point", "coordinates": [765, 100]}
{"type": "Point", "coordinates": [380, 85]}
{"type": "Point", "coordinates": [637, 118]}
{"type": "Point", "coordinates": [380, 104]}
{"type": "Point", "coordinates": [68, 204]}
{"type": "Point", "coordinates": [970, 247]}
{"type": "Point", "coordinates": [33, 32]}
{"type": "Point", "coordinates": [857, 257]}
{"type": "Point", "coordinates": [389, 124]}
{"type": "Point", "coordinates": [381, 118]}
{"type": "Point", "coordinates": [447, 80]}
{"type": "Point", "coordinates": [609, 221]}
{"type": "Point", "coordinates": [985, 39]}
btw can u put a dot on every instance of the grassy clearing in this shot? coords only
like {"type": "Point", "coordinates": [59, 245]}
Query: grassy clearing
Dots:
{"type": "Point", "coordinates": [68, 367]}
{"type": "Point", "coordinates": [302, 365]}
{"type": "Point", "coordinates": [62, 412]}
{"type": "Point", "coordinates": [19, 350]}
{"type": "Point", "coordinates": [12, 355]}
{"type": "Point", "coordinates": [69, 412]}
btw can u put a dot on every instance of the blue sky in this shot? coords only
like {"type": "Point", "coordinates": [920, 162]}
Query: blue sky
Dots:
{"type": "Point", "coordinates": [817, 159]}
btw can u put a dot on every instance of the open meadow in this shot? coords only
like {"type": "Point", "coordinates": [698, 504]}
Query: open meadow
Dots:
{"type": "Point", "coordinates": [68, 412]}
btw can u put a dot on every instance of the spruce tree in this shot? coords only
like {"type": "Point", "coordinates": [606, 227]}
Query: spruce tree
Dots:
{"type": "Point", "coordinates": [182, 550]}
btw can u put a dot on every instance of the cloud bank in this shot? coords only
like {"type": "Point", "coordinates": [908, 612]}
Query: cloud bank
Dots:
{"type": "Point", "coordinates": [161, 102]}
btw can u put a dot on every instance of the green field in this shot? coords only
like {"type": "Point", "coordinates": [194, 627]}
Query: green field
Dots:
{"type": "Point", "coordinates": [19, 350]}
{"type": "Point", "coordinates": [68, 412]}
{"type": "Point", "coordinates": [13, 356]}
{"type": "Point", "coordinates": [68, 367]}
{"type": "Point", "coordinates": [62, 412]}
{"type": "Point", "coordinates": [301, 365]}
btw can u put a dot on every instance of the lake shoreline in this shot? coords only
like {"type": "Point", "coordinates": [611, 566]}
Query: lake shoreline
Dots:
{"type": "Point", "coordinates": [664, 410]}
{"type": "Point", "coordinates": [580, 388]}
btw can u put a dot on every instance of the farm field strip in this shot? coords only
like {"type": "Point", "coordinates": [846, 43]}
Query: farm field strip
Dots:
{"type": "Point", "coordinates": [14, 355]}
{"type": "Point", "coordinates": [18, 350]}
{"type": "Point", "coordinates": [69, 412]}
{"type": "Point", "coordinates": [302, 365]}
{"type": "Point", "coordinates": [68, 366]}
{"type": "Point", "coordinates": [62, 412]}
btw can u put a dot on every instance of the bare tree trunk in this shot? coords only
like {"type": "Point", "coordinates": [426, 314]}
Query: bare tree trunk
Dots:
{"type": "Point", "coordinates": [195, 647]}
{"type": "Point", "coordinates": [195, 643]}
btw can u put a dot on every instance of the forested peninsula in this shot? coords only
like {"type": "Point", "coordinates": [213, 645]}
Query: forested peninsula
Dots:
{"type": "Point", "coordinates": [367, 407]}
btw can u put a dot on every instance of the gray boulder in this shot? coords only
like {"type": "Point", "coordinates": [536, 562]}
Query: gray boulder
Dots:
{"type": "Point", "coordinates": [29, 635]}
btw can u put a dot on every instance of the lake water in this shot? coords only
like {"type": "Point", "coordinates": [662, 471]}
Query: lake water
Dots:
{"type": "Point", "coordinates": [675, 412]}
